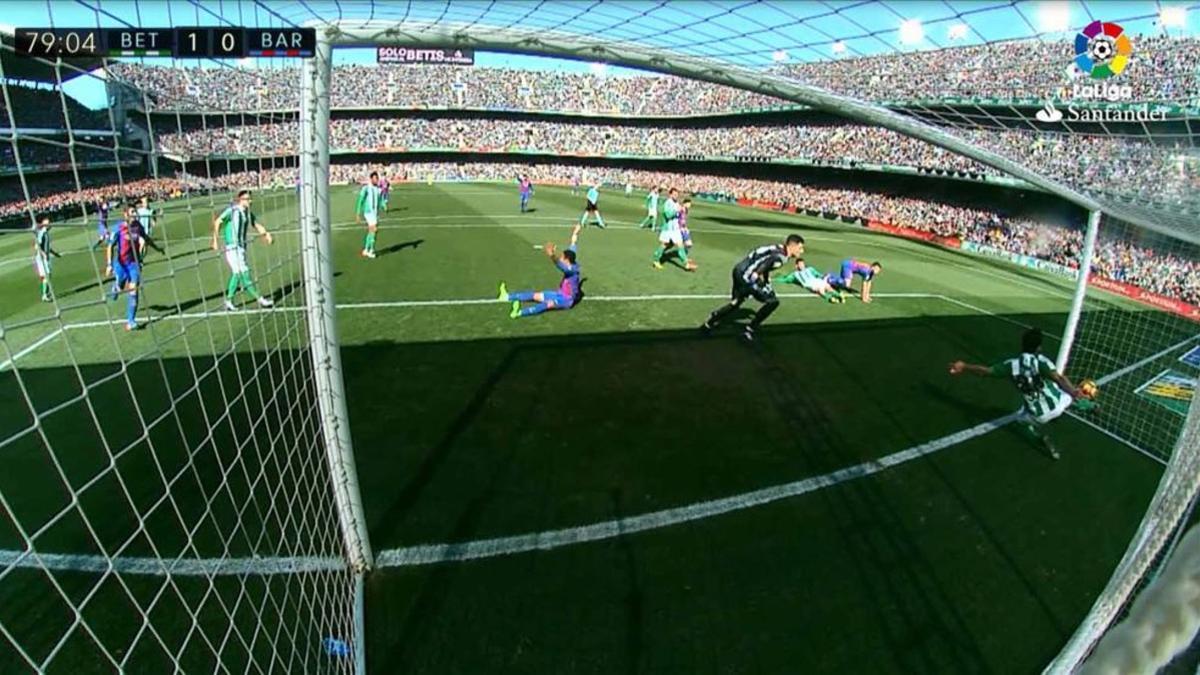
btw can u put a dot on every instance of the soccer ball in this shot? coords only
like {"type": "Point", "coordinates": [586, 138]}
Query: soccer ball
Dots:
{"type": "Point", "coordinates": [1101, 50]}
{"type": "Point", "coordinates": [1089, 388]}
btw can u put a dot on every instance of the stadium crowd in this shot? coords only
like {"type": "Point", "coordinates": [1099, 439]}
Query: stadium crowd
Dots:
{"type": "Point", "coordinates": [1119, 164]}
{"type": "Point", "coordinates": [1174, 274]}
{"type": "Point", "coordinates": [39, 108]}
{"type": "Point", "coordinates": [1162, 69]}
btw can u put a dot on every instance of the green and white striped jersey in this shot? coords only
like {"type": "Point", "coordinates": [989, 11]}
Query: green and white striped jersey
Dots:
{"type": "Point", "coordinates": [234, 226]}
{"type": "Point", "coordinates": [41, 238]}
{"type": "Point", "coordinates": [1030, 373]}
{"type": "Point", "coordinates": [370, 198]}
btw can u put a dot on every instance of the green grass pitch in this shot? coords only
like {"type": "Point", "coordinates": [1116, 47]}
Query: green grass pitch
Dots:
{"type": "Point", "coordinates": [981, 556]}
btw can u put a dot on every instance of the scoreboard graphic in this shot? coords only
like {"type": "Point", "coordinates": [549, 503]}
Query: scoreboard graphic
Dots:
{"type": "Point", "coordinates": [180, 43]}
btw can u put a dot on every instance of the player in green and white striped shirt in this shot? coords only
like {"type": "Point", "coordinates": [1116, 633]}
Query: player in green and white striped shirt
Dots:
{"type": "Point", "coordinates": [229, 232]}
{"type": "Point", "coordinates": [41, 255]}
{"type": "Point", "coordinates": [811, 279]}
{"type": "Point", "coordinates": [1046, 393]}
{"type": "Point", "coordinates": [370, 200]}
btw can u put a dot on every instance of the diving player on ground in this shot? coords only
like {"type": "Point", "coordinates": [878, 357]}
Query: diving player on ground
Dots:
{"type": "Point", "coordinates": [1047, 393]}
{"type": "Point", "coordinates": [752, 279]}
{"type": "Point", "coordinates": [850, 268]}
{"type": "Point", "coordinates": [564, 297]}
{"type": "Point", "coordinates": [810, 279]}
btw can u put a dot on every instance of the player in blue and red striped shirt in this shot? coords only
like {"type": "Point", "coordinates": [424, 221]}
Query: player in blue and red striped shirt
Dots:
{"type": "Point", "coordinates": [566, 296]}
{"type": "Point", "coordinates": [127, 242]}
{"type": "Point", "coordinates": [525, 187]}
{"type": "Point", "coordinates": [851, 268]}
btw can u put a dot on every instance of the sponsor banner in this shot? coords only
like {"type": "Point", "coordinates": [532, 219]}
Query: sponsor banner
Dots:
{"type": "Point", "coordinates": [1192, 357]}
{"type": "Point", "coordinates": [770, 206]}
{"type": "Point", "coordinates": [439, 56]}
{"type": "Point", "coordinates": [1022, 260]}
{"type": "Point", "coordinates": [913, 233]}
{"type": "Point", "coordinates": [1177, 307]}
{"type": "Point", "coordinates": [1169, 389]}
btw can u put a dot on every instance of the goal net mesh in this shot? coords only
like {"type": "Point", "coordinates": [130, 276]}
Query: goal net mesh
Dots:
{"type": "Point", "coordinates": [167, 504]}
{"type": "Point", "coordinates": [192, 502]}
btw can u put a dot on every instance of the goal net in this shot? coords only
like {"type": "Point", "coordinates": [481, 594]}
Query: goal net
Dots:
{"type": "Point", "coordinates": [183, 494]}
{"type": "Point", "coordinates": [170, 498]}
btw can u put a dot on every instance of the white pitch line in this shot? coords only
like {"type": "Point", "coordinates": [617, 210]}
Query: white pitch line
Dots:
{"type": "Point", "coordinates": [257, 566]}
{"type": "Point", "coordinates": [1134, 366]}
{"type": "Point", "coordinates": [31, 348]}
{"type": "Point", "coordinates": [428, 554]}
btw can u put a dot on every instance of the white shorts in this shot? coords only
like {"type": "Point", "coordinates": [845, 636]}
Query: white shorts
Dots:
{"type": "Point", "coordinates": [236, 259]}
{"type": "Point", "coordinates": [813, 284]}
{"type": "Point", "coordinates": [650, 212]}
{"type": "Point", "coordinates": [671, 236]}
{"type": "Point", "coordinates": [1064, 402]}
{"type": "Point", "coordinates": [371, 218]}
{"type": "Point", "coordinates": [41, 265]}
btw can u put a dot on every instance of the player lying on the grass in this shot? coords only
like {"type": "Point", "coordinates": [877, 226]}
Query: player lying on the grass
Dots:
{"type": "Point", "coordinates": [752, 279]}
{"type": "Point", "coordinates": [41, 255]}
{"type": "Point", "coordinates": [525, 188]}
{"type": "Point", "coordinates": [1046, 393]}
{"type": "Point", "coordinates": [123, 261]}
{"type": "Point", "coordinates": [852, 268]}
{"type": "Point", "coordinates": [370, 198]}
{"type": "Point", "coordinates": [231, 227]}
{"type": "Point", "coordinates": [810, 279]}
{"type": "Point", "coordinates": [671, 237]}
{"type": "Point", "coordinates": [593, 207]}
{"type": "Point", "coordinates": [564, 297]}
{"type": "Point", "coordinates": [651, 209]}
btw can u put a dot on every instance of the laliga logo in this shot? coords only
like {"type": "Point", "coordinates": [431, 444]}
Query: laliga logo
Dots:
{"type": "Point", "coordinates": [1102, 50]}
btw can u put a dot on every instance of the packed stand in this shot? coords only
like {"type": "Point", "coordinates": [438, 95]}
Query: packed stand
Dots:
{"type": "Point", "coordinates": [1162, 69]}
{"type": "Point", "coordinates": [1124, 165]}
{"type": "Point", "coordinates": [38, 156]}
{"type": "Point", "coordinates": [38, 108]}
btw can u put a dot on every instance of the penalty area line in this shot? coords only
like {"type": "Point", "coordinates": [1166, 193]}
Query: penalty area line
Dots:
{"type": "Point", "coordinates": [428, 554]}
{"type": "Point", "coordinates": [191, 567]}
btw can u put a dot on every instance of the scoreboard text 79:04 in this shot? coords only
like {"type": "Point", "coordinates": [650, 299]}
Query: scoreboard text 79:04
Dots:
{"type": "Point", "coordinates": [181, 43]}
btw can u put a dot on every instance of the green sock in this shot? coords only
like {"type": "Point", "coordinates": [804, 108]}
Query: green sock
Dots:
{"type": "Point", "coordinates": [232, 287]}
{"type": "Point", "coordinates": [583, 219]}
{"type": "Point", "coordinates": [1030, 431]}
{"type": "Point", "coordinates": [682, 253]}
{"type": "Point", "coordinates": [45, 289]}
{"type": "Point", "coordinates": [248, 284]}
{"type": "Point", "coordinates": [658, 254]}
{"type": "Point", "coordinates": [369, 243]}
{"type": "Point", "coordinates": [599, 220]}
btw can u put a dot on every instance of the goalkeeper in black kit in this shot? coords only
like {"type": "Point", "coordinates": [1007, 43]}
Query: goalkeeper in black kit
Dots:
{"type": "Point", "coordinates": [752, 279]}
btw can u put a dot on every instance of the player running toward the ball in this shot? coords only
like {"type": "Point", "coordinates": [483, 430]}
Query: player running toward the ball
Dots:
{"type": "Point", "coordinates": [231, 227]}
{"type": "Point", "coordinates": [810, 279]}
{"type": "Point", "coordinates": [370, 198]}
{"type": "Point", "coordinates": [671, 236]}
{"type": "Point", "coordinates": [1046, 393]}
{"type": "Point", "coordinates": [852, 268]}
{"type": "Point", "coordinates": [525, 188]}
{"type": "Point", "coordinates": [593, 207]}
{"type": "Point", "coordinates": [752, 279]}
{"type": "Point", "coordinates": [566, 296]}
{"type": "Point", "coordinates": [651, 209]}
{"type": "Point", "coordinates": [41, 256]}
